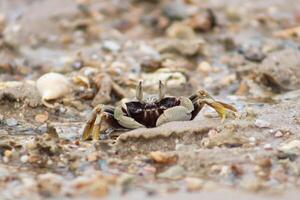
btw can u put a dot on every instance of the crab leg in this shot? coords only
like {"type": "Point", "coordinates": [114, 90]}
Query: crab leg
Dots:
{"type": "Point", "coordinates": [100, 114]}
{"type": "Point", "coordinates": [89, 124]}
{"type": "Point", "coordinates": [97, 126]}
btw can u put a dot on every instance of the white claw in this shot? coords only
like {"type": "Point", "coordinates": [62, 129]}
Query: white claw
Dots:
{"type": "Point", "coordinates": [187, 103]}
{"type": "Point", "coordinates": [177, 113]}
{"type": "Point", "coordinates": [125, 121]}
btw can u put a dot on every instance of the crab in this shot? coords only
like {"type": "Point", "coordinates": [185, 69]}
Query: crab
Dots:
{"type": "Point", "coordinates": [150, 111]}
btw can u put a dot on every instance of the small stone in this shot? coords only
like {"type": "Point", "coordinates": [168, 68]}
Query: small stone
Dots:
{"type": "Point", "coordinates": [262, 123]}
{"type": "Point", "coordinates": [271, 131]}
{"type": "Point", "coordinates": [180, 31]}
{"type": "Point", "coordinates": [212, 133]}
{"type": "Point", "coordinates": [111, 46]}
{"type": "Point", "coordinates": [193, 184]}
{"type": "Point", "coordinates": [268, 146]}
{"type": "Point", "coordinates": [162, 157]}
{"type": "Point", "coordinates": [151, 65]}
{"type": "Point", "coordinates": [49, 162]}
{"type": "Point", "coordinates": [175, 10]}
{"type": "Point", "coordinates": [5, 159]}
{"type": "Point", "coordinates": [203, 21]}
{"type": "Point", "coordinates": [41, 118]}
{"type": "Point", "coordinates": [237, 170]}
{"type": "Point", "coordinates": [174, 173]}
{"type": "Point", "coordinates": [252, 50]}
{"type": "Point", "coordinates": [265, 162]}
{"type": "Point", "coordinates": [278, 134]}
{"type": "Point", "coordinates": [77, 64]}
{"type": "Point", "coordinates": [8, 153]}
{"type": "Point", "coordinates": [31, 145]}
{"type": "Point", "coordinates": [205, 67]}
{"type": "Point", "coordinates": [92, 157]}
{"type": "Point", "coordinates": [133, 148]}
{"type": "Point", "coordinates": [11, 122]}
{"type": "Point", "coordinates": [24, 158]}
{"type": "Point", "coordinates": [252, 139]}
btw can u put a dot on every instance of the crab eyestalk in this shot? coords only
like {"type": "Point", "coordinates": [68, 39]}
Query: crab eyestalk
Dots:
{"type": "Point", "coordinates": [162, 90]}
{"type": "Point", "coordinates": [139, 92]}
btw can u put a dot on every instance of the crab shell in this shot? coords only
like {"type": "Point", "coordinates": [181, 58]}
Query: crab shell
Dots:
{"type": "Point", "coordinates": [156, 113]}
{"type": "Point", "coordinates": [150, 111]}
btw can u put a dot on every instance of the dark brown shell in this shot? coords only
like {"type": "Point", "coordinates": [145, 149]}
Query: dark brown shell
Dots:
{"type": "Point", "coordinates": [147, 114]}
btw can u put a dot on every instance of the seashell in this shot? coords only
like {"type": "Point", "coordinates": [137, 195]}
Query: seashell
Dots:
{"type": "Point", "coordinates": [52, 86]}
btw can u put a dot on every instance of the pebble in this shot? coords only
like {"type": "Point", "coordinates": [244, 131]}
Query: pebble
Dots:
{"type": "Point", "coordinates": [194, 184]}
{"type": "Point", "coordinates": [92, 157]}
{"type": "Point", "coordinates": [41, 118]}
{"type": "Point", "coordinates": [262, 123]}
{"type": "Point", "coordinates": [268, 146]}
{"type": "Point", "coordinates": [11, 122]}
{"type": "Point", "coordinates": [203, 21]}
{"type": "Point", "coordinates": [24, 158]}
{"type": "Point", "coordinates": [205, 67]}
{"type": "Point", "coordinates": [252, 50]}
{"type": "Point", "coordinates": [162, 157]}
{"type": "Point", "coordinates": [174, 173]}
{"type": "Point", "coordinates": [180, 31]}
{"type": "Point", "coordinates": [175, 10]}
{"type": "Point", "coordinates": [111, 46]}
{"type": "Point", "coordinates": [212, 133]}
{"type": "Point", "coordinates": [265, 162]}
{"type": "Point", "coordinates": [252, 140]}
{"type": "Point", "coordinates": [5, 159]}
{"type": "Point", "coordinates": [7, 153]}
{"type": "Point", "coordinates": [278, 134]}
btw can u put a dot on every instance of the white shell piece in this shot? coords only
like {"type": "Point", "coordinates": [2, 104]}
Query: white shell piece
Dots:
{"type": "Point", "coordinates": [52, 86]}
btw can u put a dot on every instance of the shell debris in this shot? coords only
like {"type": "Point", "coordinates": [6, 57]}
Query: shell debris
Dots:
{"type": "Point", "coordinates": [52, 86]}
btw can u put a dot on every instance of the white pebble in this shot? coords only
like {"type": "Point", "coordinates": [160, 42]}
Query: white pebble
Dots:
{"type": "Point", "coordinates": [278, 134]}
{"type": "Point", "coordinates": [262, 123]}
{"type": "Point", "coordinates": [5, 159]}
{"type": "Point", "coordinates": [252, 140]}
{"type": "Point", "coordinates": [24, 158]}
{"type": "Point", "coordinates": [268, 146]}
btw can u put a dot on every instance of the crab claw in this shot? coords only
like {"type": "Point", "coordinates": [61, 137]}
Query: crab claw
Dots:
{"type": "Point", "coordinates": [220, 107]}
{"type": "Point", "coordinates": [202, 97]}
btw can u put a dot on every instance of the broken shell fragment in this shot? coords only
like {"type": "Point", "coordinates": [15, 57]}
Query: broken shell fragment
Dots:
{"type": "Point", "coordinates": [52, 86]}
